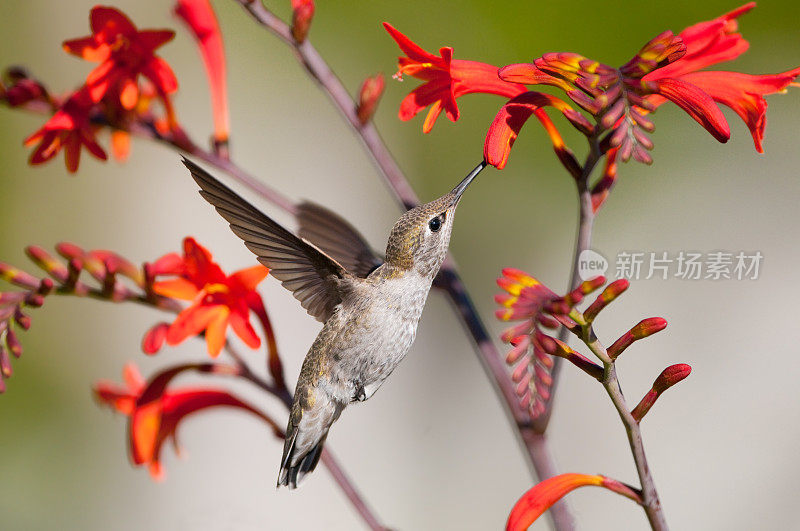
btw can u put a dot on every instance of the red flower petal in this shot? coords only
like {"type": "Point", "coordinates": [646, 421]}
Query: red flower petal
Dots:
{"type": "Point", "coordinates": [152, 39]}
{"type": "Point", "coordinates": [249, 278]}
{"type": "Point", "coordinates": [744, 94]}
{"type": "Point", "coordinates": [708, 43]}
{"type": "Point", "coordinates": [160, 73]}
{"type": "Point", "coordinates": [242, 327]}
{"type": "Point", "coordinates": [129, 95]}
{"type": "Point", "coordinates": [697, 104]}
{"type": "Point", "coordinates": [72, 152]}
{"type": "Point", "coordinates": [177, 288]}
{"type": "Point", "coordinates": [202, 21]}
{"type": "Point", "coordinates": [423, 96]}
{"type": "Point", "coordinates": [169, 264]}
{"type": "Point", "coordinates": [200, 267]}
{"type": "Point", "coordinates": [509, 121]}
{"type": "Point", "coordinates": [87, 48]}
{"type": "Point", "coordinates": [110, 21]}
{"type": "Point", "coordinates": [191, 321]}
{"type": "Point", "coordinates": [215, 331]}
{"type": "Point", "coordinates": [410, 48]}
{"type": "Point", "coordinates": [537, 500]}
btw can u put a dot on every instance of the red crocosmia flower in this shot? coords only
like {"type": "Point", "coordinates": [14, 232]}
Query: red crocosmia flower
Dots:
{"type": "Point", "coordinates": [202, 21]}
{"type": "Point", "coordinates": [512, 116]}
{"type": "Point", "coordinates": [154, 412]}
{"type": "Point", "coordinates": [123, 52]}
{"type": "Point", "coordinates": [218, 300]}
{"type": "Point", "coordinates": [712, 42]}
{"type": "Point", "coordinates": [446, 79]}
{"type": "Point", "coordinates": [666, 68]}
{"type": "Point", "coordinates": [537, 500]}
{"type": "Point", "coordinates": [70, 128]}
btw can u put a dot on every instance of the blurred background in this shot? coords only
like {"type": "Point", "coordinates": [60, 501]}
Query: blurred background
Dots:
{"type": "Point", "coordinates": [433, 449]}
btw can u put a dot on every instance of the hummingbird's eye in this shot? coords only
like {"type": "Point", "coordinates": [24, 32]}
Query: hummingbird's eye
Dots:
{"type": "Point", "coordinates": [435, 224]}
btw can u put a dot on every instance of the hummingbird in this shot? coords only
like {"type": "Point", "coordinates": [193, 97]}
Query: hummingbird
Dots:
{"type": "Point", "coordinates": [370, 307]}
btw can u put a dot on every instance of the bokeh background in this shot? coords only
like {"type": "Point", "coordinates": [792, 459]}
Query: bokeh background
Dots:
{"type": "Point", "coordinates": [433, 449]}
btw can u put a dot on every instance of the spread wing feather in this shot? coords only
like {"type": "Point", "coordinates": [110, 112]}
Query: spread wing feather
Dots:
{"type": "Point", "coordinates": [338, 238]}
{"type": "Point", "coordinates": [310, 274]}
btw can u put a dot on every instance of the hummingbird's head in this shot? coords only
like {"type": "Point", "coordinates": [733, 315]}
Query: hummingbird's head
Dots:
{"type": "Point", "coordinates": [420, 238]}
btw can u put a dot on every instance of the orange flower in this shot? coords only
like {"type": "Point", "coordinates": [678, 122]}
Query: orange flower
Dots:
{"type": "Point", "coordinates": [202, 21]}
{"type": "Point", "coordinates": [69, 128]}
{"type": "Point", "coordinates": [537, 500]}
{"type": "Point", "coordinates": [666, 68]}
{"type": "Point", "coordinates": [712, 42]}
{"type": "Point", "coordinates": [123, 52]}
{"type": "Point", "coordinates": [218, 300]}
{"type": "Point", "coordinates": [446, 79]}
{"type": "Point", "coordinates": [154, 413]}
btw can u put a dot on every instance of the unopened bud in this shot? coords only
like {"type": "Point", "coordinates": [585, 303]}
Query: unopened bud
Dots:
{"type": "Point", "coordinates": [302, 13]}
{"type": "Point", "coordinates": [648, 327]}
{"type": "Point", "coordinates": [5, 363]}
{"type": "Point", "coordinates": [554, 347]}
{"type": "Point", "coordinates": [13, 343]}
{"type": "Point", "coordinates": [368, 97]}
{"type": "Point", "coordinates": [668, 377]}
{"type": "Point", "coordinates": [17, 277]}
{"type": "Point", "coordinates": [612, 291]}
{"type": "Point", "coordinates": [520, 346]}
{"type": "Point", "coordinates": [154, 338]}
{"type": "Point", "coordinates": [47, 263]}
{"type": "Point", "coordinates": [645, 328]}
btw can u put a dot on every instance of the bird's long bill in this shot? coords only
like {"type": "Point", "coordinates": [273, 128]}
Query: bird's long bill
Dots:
{"type": "Point", "coordinates": [460, 187]}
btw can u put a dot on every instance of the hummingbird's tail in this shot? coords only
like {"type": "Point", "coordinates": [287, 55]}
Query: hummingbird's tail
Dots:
{"type": "Point", "coordinates": [305, 437]}
{"type": "Point", "coordinates": [290, 475]}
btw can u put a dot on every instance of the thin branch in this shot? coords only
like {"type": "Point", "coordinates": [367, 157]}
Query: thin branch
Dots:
{"type": "Point", "coordinates": [347, 487]}
{"type": "Point", "coordinates": [650, 500]}
{"type": "Point", "coordinates": [582, 243]}
{"type": "Point", "coordinates": [449, 279]}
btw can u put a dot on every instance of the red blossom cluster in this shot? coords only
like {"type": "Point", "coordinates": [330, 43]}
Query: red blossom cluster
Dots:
{"type": "Point", "coordinates": [218, 300]}
{"type": "Point", "coordinates": [541, 311]}
{"type": "Point", "coordinates": [668, 68]}
{"type": "Point", "coordinates": [610, 106]}
{"type": "Point", "coordinates": [154, 409]}
{"type": "Point", "coordinates": [120, 92]}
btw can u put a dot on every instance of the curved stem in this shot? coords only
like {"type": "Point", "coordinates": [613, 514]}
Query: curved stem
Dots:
{"type": "Point", "coordinates": [650, 500]}
{"type": "Point", "coordinates": [349, 490]}
{"type": "Point", "coordinates": [582, 243]}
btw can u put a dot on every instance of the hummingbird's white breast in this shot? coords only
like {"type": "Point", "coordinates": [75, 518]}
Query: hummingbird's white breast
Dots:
{"type": "Point", "coordinates": [378, 327]}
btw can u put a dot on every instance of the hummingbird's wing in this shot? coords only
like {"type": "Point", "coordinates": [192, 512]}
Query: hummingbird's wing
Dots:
{"type": "Point", "coordinates": [338, 238]}
{"type": "Point", "coordinates": [310, 274]}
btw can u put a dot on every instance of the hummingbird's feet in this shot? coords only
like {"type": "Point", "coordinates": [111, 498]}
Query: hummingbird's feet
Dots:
{"type": "Point", "coordinates": [360, 395]}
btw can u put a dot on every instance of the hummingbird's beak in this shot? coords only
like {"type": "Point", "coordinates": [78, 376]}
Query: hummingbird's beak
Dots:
{"type": "Point", "coordinates": [459, 189]}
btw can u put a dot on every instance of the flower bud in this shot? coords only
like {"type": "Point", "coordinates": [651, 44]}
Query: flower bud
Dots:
{"type": "Point", "coordinates": [645, 328]}
{"type": "Point", "coordinates": [5, 363]}
{"type": "Point", "coordinates": [13, 344]}
{"type": "Point", "coordinates": [154, 338]}
{"type": "Point", "coordinates": [47, 263]}
{"type": "Point", "coordinates": [302, 14]}
{"type": "Point", "coordinates": [668, 377]}
{"type": "Point", "coordinates": [612, 291]}
{"type": "Point", "coordinates": [368, 97]}
{"type": "Point", "coordinates": [17, 277]}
